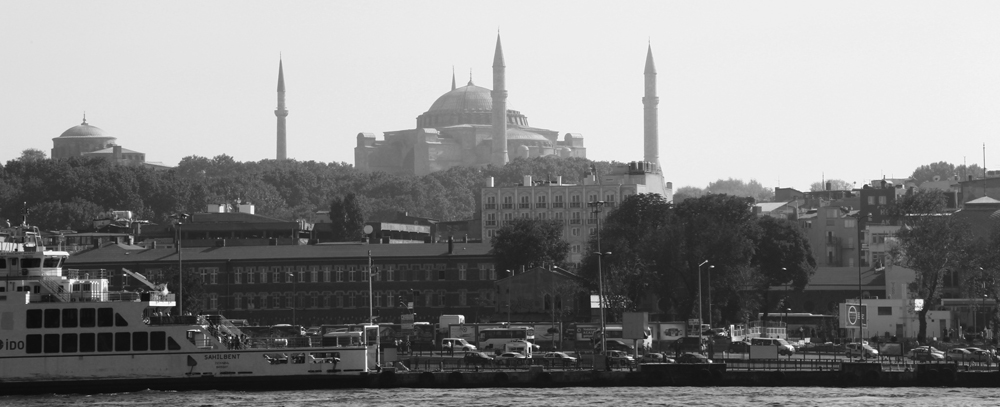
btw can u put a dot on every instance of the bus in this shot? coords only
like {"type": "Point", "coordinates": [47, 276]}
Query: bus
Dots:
{"type": "Point", "coordinates": [495, 338]}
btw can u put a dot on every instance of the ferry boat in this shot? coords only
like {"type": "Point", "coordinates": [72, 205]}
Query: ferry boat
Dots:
{"type": "Point", "coordinates": [68, 333]}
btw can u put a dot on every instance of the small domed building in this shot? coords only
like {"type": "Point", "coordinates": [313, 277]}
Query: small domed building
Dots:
{"type": "Point", "coordinates": [81, 139]}
{"type": "Point", "coordinates": [458, 130]}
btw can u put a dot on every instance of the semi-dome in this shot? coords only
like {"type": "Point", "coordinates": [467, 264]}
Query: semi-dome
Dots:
{"type": "Point", "coordinates": [84, 130]}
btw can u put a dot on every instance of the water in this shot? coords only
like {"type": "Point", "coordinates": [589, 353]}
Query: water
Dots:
{"type": "Point", "coordinates": [577, 396]}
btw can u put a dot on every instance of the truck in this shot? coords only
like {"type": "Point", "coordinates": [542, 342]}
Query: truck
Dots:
{"type": "Point", "coordinates": [448, 320]}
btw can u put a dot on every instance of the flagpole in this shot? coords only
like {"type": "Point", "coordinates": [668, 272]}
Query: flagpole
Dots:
{"type": "Point", "coordinates": [371, 318]}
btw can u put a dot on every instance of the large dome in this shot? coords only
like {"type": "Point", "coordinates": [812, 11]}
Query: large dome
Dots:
{"type": "Point", "coordinates": [84, 130]}
{"type": "Point", "coordinates": [469, 104]}
{"type": "Point", "coordinates": [466, 98]}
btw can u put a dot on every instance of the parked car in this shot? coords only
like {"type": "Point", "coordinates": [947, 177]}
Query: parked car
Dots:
{"type": "Point", "coordinates": [620, 358]}
{"type": "Point", "coordinates": [925, 354]}
{"type": "Point", "coordinates": [784, 348]}
{"type": "Point", "coordinates": [693, 358]}
{"type": "Point", "coordinates": [655, 358]}
{"type": "Point", "coordinates": [556, 358]}
{"type": "Point", "coordinates": [477, 358]}
{"type": "Point", "coordinates": [739, 347]}
{"type": "Point", "coordinates": [958, 355]}
{"type": "Point", "coordinates": [860, 350]}
{"type": "Point", "coordinates": [618, 344]}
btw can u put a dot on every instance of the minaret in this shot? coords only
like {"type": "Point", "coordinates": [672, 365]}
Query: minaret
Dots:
{"type": "Point", "coordinates": [499, 108]}
{"type": "Point", "coordinates": [281, 113]}
{"type": "Point", "coordinates": [650, 132]}
{"type": "Point", "coordinates": [453, 77]}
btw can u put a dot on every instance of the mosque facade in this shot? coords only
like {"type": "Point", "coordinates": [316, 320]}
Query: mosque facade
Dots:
{"type": "Point", "coordinates": [467, 126]}
{"type": "Point", "coordinates": [85, 140]}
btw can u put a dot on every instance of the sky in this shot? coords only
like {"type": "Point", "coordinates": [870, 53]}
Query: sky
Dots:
{"type": "Point", "coordinates": [782, 92]}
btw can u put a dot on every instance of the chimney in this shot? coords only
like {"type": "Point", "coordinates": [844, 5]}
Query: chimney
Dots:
{"type": "Point", "coordinates": [451, 245]}
{"type": "Point", "coordinates": [527, 180]}
{"type": "Point", "coordinates": [465, 239]}
{"type": "Point", "coordinates": [489, 182]}
{"type": "Point", "coordinates": [558, 179]}
{"type": "Point", "coordinates": [117, 149]}
{"type": "Point", "coordinates": [154, 244]}
{"type": "Point", "coordinates": [829, 185]}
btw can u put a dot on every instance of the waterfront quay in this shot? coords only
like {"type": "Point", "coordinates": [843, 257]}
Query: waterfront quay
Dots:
{"type": "Point", "coordinates": [444, 372]}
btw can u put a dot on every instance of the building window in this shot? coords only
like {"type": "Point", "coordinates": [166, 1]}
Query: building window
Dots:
{"type": "Point", "coordinates": [849, 223]}
{"type": "Point", "coordinates": [213, 301]}
{"type": "Point", "coordinates": [251, 301]}
{"type": "Point", "coordinates": [609, 200]}
{"type": "Point", "coordinates": [340, 299]}
{"type": "Point", "coordinates": [871, 200]}
{"type": "Point", "coordinates": [462, 298]}
{"type": "Point", "coordinates": [238, 301]}
{"type": "Point", "coordinates": [525, 215]}
{"type": "Point", "coordinates": [238, 275]}
{"type": "Point", "coordinates": [390, 274]}
{"type": "Point", "coordinates": [575, 231]}
{"type": "Point", "coordinates": [314, 274]}
{"type": "Point", "coordinates": [461, 271]}
{"type": "Point", "coordinates": [541, 202]}
{"type": "Point", "coordinates": [491, 202]}
{"type": "Point", "coordinates": [377, 299]}
{"type": "Point", "coordinates": [507, 218]}
{"type": "Point", "coordinates": [326, 274]}
{"type": "Point", "coordinates": [592, 231]}
{"type": "Point", "coordinates": [491, 219]}
{"type": "Point", "coordinates": [575, 248]}
{"type": "Point", "coordinates": [575, 219]}
{"type": "Point", "coordinates": [429, 272]}
{"type": "Point", "coordinates": [559, 216]}
{"type": "Point", "coordinates": [250, 273]}
{"type": "Point", "coordinates": [490, 232]}
{"type": "Point", "coordinates": [339, 270]}
{"type": "Point", "coordinates": [350, 273]}
{"type": "Point", "coordinates": [881, 200]}
{"type": "Point", "coordinates": [508, 202]}
{"type": "Point", "coordinates": [885, 310]}
{"type": "Point", "coordinates": [525, 203]}
{"type": "Point", "coordinates": [558, 201]}
{"type": "Point", "coordinates": [574, 201]}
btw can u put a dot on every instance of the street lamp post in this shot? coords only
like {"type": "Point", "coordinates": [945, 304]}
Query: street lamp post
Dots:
{"type": "Point", "coordinates": [699, 298]}
{"type": "Point", "coordinates": [710, 267]}
{"type": "Point", "coordinates": [509, 273]}
{"type": "Point", "coordinates": [181, 217]}
{"type": "Point", "coordinates": [598, 206]}
{"type": "Point", "coordinates": [295, 299]}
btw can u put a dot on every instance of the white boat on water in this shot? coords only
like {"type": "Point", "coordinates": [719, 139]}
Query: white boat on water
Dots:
{"type": "Point", "coordinates": [68, 333]}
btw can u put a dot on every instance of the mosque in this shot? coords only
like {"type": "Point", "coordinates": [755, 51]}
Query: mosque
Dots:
{"type": "Point", "coordinates": [467, 126]}
{"type": "Point", "coordinates": [85, 140]}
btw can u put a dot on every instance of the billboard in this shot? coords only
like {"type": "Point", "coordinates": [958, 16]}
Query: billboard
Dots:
{"type": "Point", "coordinates": [853, 316]}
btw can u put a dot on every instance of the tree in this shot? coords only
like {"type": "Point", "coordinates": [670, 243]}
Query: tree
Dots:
{"type": "Point", "coordinates": [683, 193]}
{"type": "Point", "coordinates": [783, 256]}
{"type": "Point", "coordinates": [346, 218]}
{"type": "Point", "coordinates": [917, 203]}
{"type": "Point", "coordinates": [526, 243]}
{"type": "Point", "coordinates": [737, 187]}
{"type": "Point", "coordinates": [32, 154]}
{"type": "Point", "coordinates": [932, 246]}
{"type": "Point", "coordinates": [835, 185]}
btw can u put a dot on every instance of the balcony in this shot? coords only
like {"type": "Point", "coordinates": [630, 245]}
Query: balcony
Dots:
{"type": "Point", "coordinates": [524, 205]}
{"type": "Point", "coordinates": [541, 205]}
{"type": "Point", "coordinates": [574, 204]}
{"type": "Point", "coordinates": [574, 221]}
{"type": "Point", "coordinates": [508, 206]}
{"type": "Point", "coordinates": [591, 221]}
{"type": "Point", "coordinates": [490, 206]}
{"type": "Point", "coordinates": [491, 223]}
{"type": "Point", "coordinates": [557, 204]}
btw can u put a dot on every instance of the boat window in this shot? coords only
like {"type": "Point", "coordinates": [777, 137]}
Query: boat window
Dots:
{"type": "Point", "coordinates": [87, 343]}
{"type": "Point", "coordinates": [157, 340]}
{"type": "Point", "coordinates": [105, 317]}
{"type": "Point", "coordinates": [140, 341]}
{"type": "Point", "coordinates": [69, 319]}
{"type": "Point", "coordinates": [52, 318]}
{"type": "Point", "coordinates": [88, 317]}
{"type": "Point", "coordinates": [69, 343]}
{"type": "Point", "coordinates": [172, 344]}
{"type": "Point", "coordinates": [119, 320]}
{"type": "Point", "coordinates": [13, 261]}
{"type": "Point", "coordinates": [51, 343]}
{"type": "Point", "coordinates": [3, 263]}
{"type": "Point", "coordinates": [33, 319]}
{"type": "Point", "coordinates": [52, 262]}
{"type": "Point", "coordinates": [298, 358]}
{"type": "Point", "coordinates": [31, 263]}
{"type": "Point", "coordinates": [33, 344]}
{"type": "Point", "coordinates": [123, 342]}
{"type": "Point", "coordinates": [105, 342]}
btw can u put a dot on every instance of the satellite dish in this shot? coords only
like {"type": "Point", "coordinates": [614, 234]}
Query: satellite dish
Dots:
{"type": "Point", "coordinates": [369, 229]}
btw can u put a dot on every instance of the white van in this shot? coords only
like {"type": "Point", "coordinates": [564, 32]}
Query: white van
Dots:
{"type": "Point", "coordinates": [457, 345]}
{"type": "Point", "coordinates": [524, 348]}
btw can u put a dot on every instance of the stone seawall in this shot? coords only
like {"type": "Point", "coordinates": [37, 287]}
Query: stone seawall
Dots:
{"type": "Point", "coordinates": [849, 375]}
